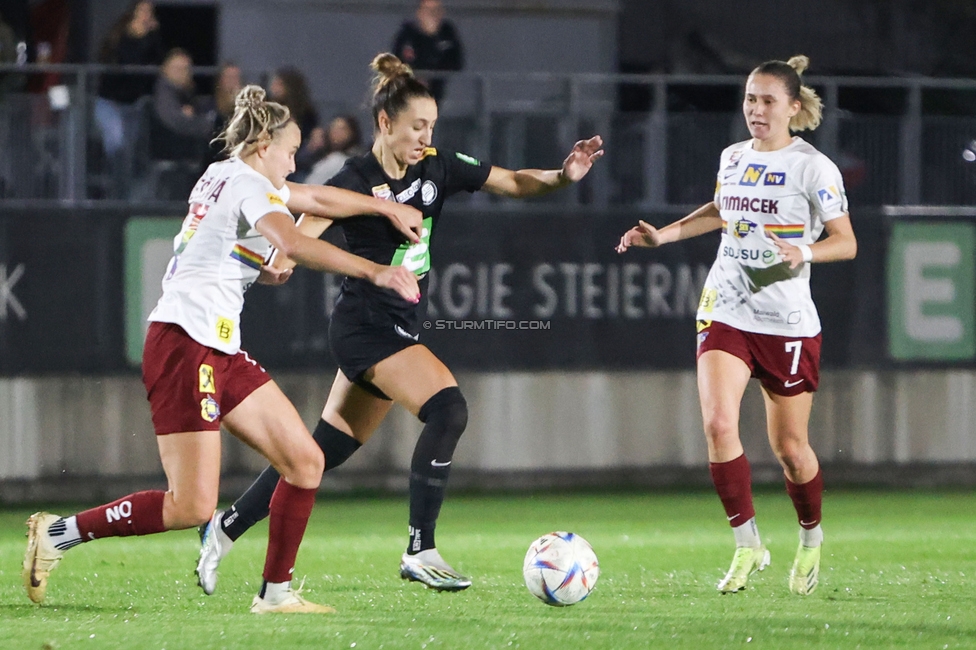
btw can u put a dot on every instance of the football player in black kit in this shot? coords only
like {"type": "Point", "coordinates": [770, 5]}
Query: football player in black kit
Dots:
{"type": "Point", "coordinates": [374, 334]}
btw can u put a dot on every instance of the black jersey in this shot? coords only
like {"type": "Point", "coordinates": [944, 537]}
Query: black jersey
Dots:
{"type": "Point", "coordinates": [425, 186]}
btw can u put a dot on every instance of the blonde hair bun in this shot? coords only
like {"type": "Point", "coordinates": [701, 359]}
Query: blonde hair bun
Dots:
{"type": "Point", "coordinates": [800, 63]}
{"type": "Point", "coordinates": [250, 97]}
{"type": "Point", "coordinates": [388, 68]}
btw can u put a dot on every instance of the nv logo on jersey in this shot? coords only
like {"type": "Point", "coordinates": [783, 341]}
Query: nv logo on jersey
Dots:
{"type": "Point", "coordinates": [415, 257]}
{"type": "Point", "coordinates": [752, 174]}
{"type": "Point", "coordinates": [775, 178]}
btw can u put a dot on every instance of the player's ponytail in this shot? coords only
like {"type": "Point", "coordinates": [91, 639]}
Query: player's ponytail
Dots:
{"type": "Point", "coordinates": [255, 120]}
{"type": "Point", "coordinates": [788, 72]}
{"type": "Point", "coordinates": [394, 85]}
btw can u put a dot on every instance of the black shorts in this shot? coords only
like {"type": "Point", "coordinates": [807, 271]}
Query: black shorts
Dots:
{"type": "Point", "coordinates": [360, 337]}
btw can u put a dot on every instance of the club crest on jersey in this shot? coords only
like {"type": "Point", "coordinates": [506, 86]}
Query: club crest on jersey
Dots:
{"type": "Point", "coordinates": [775, 178]}
{"type": "Point", "coordinates": [743, 227]}
{"type": "Point", "coordinates": [752, 174]}
{"type": "Point", "coordinates": [428, 192]}
{"type": "Point", "coordinates": [209, 409]}
{"type": "Point", "coordinates": [383, 192]}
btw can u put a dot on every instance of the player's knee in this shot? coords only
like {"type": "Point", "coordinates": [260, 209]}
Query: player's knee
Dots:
{"type": "Point", "coordinates": [306, 465]}
{"type": "Point", "coordinates": [790, 452]}
{"type": "Point", "coordinates": [195, 509]}
{"type": "Point", "coordinates": [720, 426]}
{"type": "Point", "coordinates": [449, 410]}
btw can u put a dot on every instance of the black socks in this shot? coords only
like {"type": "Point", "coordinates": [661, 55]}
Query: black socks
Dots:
{"type": "Point", "coordinates": [445, 415]}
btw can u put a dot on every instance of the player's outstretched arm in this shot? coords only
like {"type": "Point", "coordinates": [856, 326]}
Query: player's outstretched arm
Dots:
{"type": "Point", "coordinates": [337, 203]}
{"type": "Point", "coordinates": [278, 270]}
{"type": "Point", "coordinates": [526, 183]}
{"type": "Point", "coordinates": [280, 230]}
{"type": "Point", "coordinates": [705, 219]}
{"type": "Point", "coordinates": [839, 244]}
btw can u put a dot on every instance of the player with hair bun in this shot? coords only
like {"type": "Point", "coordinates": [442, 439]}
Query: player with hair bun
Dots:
{"type": "Point", "coordinates": [195, 373]}
{"type": "Point", "coordinates": [774, 197]}
{"type": "Point", "coordinates": [375, 335]}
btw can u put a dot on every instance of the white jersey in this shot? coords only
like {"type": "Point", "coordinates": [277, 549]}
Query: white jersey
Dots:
{"type": "Point", "coordinates": [791, 192]}
{"type": "Point", "coordinates": [218, 254]}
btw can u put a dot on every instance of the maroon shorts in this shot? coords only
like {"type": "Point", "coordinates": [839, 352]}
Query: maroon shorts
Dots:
{"type": "Point", "coordinates": [190, 385]}
{"type": "Point", "coordinates": [785, 365]}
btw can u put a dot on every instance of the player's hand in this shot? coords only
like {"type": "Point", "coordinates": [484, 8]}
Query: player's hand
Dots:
{"type": "Point", "coordinates": [582, 157]}
{"type": "Point", "coordinates": [272, 276]}
{"type": "Point", "coordinates": [400, 280]}
{"type": "Point", "coordinates": [407, 219]}
{"type": "Point", "coordinates": [788, 252]}
{"type": "Point", "coordinates": [643, 235]}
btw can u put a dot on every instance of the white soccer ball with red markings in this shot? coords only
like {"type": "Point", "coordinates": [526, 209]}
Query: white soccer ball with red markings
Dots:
{"type": "Point", "coordinates": [560, 568]}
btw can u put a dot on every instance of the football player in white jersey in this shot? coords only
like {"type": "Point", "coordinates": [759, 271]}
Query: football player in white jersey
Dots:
{"type": "Point", "coordinates": [774, 196]}
{"type": "Point", "coordinates": [195, 373]}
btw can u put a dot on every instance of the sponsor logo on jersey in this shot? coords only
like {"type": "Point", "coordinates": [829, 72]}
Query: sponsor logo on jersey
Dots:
{"type": "Point", "coordinates": [225, 329]}
{"type": "Point", "coordinates": [703, 324]}
{"type": "Point", "coordinates": [416, 257]}
{"type": "Point", "coordinates": [274, 199]}
{"type": "Point", "coordinates": [409, 193]}
{"type": "Point", "coordinates": [708, 299]}
{"type": "Point", "coordinates": [746, 204]}
{"type": "Point", "coordinates": [768, 257]}
{"type": "Point", "coordinates": [428, 151]}
{"type": "Point", "coordinates": [743, 254]}
{"type": "Point", "coordinates": [247, 257]}
{"type": "Point", "coordinates": [752, 174]}
{"type": "Point", "coordinates": [383, 192]}
{"type": "Point", "coordinates": [830, 197]}
{"type": "Point", "coordinates": [206, 376]}
{"type": "Point", "coordinates": [775, 178]}
{"type": "Point", "coordinates": [209, 409]}
{"type": "Point", "coordinates": [785, 230]}
{"type": "Point", "coordinates": [468, 159]}
{"type": "Point", "coordinates": [428, 192]}
{"type": "Point", "coordinates": [743, 227]}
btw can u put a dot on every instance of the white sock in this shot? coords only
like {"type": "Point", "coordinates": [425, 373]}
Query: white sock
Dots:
{"type": "Point", "coordinates": [224, 542]}
{"type": "Point", "coordinates": [64, 533]}
{"type": "Point", "coordinates": [747, 534]}
{"type": "Point", "coordinates": [811, 538]}
{"type": "Point", "coordinates": [275, 592]}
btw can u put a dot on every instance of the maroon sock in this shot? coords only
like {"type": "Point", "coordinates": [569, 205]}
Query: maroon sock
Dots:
{"type": "Point", "coordinates": [137, 514]}
{"type": "Point", "coordinates": [290, 509]}
{"type": "Point", "coordinates": [807, 499]}
{"type": "Point", "coordinates": [733, 482]}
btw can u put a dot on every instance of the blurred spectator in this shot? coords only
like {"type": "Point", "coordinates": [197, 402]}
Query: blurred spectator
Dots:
{"type": "Point", "coordinates": [133, 40]}
{"type": "Point", "coordinates": [185, 127]}
{"type": "Point", "coordinates": [289, 88]}
{"type": "Point", "coordinates": [344, 141]}
{"type": "Point", "coordinates": [430, 42]}
{"type": "Point", "coordinates": [226, 87]}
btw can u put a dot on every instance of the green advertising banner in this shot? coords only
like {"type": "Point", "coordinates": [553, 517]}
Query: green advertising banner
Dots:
{"type": "Point", "coordinates": [148, 249]}
{"type": "Point", "coordinates": [931, 300]}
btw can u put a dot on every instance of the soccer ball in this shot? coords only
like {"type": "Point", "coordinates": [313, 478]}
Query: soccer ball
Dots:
{"type": "Point", "coordinates": [560, 569]}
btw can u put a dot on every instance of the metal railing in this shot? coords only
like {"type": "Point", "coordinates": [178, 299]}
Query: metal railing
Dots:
{"type": "Point", "coordinates": [659, 153]}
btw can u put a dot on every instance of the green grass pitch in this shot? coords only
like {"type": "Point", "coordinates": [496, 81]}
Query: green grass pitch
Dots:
{"type": "Point", "coordinates": [899, 570]}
